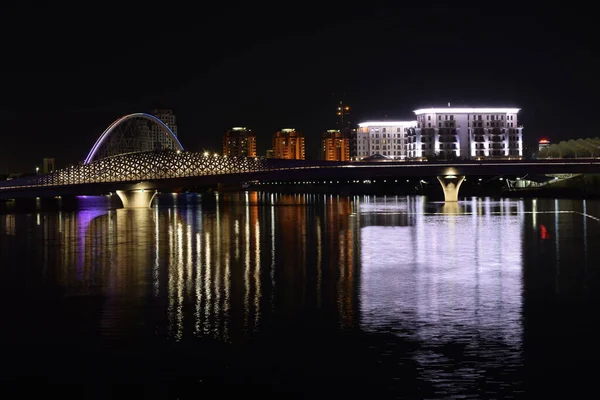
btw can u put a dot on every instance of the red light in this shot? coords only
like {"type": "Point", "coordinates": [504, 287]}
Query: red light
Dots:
{"type": "Point", "coordinates": [544, 141]}
{"type": "Point", "coordinates": [544, 232]}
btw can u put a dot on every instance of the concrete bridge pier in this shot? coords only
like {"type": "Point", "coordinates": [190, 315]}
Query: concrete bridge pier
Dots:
{"type": "Point", "coordinates": [136, 198]}
{"type": "Point", "coordinates": [450, 185]}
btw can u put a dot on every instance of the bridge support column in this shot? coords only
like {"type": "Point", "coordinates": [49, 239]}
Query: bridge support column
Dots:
{"type": "Point", "coordinates": [137, 198]}
{"type": "Point", "coordinates": [450, 185]}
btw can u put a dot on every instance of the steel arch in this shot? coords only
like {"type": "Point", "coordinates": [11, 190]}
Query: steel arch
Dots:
{"type": "Point", "coordinates": [119, 121]}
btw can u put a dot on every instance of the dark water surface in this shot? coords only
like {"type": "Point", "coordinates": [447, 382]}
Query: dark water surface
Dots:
{"type": "Point", "coordinates": [300, 296]}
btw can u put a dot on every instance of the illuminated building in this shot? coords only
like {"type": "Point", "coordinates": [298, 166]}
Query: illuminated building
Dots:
{"type": "Point", "coordinates": [543, 143]}
{"type": "Point", "coordinates": [335, 145]}
{"type": "Point", "coordinates": [387, 138]}
{"type": "Point", "coordinates": [288, 144]}
{"type": "Point", "coordinates": [466, 133]}
{"type": "Point", "coordinates": [239, 141]}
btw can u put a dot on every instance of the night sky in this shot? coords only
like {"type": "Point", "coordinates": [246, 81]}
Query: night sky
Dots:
{"type": "Point", "coordinates": [67, 73]}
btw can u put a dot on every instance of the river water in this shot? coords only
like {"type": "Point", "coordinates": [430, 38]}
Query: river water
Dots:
{"type": "Point", "coordinates": [300, 296]}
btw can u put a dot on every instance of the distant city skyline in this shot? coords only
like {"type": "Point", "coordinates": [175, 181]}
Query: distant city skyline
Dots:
{"type": "Point", "coordinates": [58, 96]}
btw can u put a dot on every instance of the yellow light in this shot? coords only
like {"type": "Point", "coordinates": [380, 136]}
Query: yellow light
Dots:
{"type": "Point", "coordinates": [347, 108]}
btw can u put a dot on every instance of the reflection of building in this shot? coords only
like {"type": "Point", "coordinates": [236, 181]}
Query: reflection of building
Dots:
{"type": "Point", "coordinates": [289, 144]}
{"type": "Point", "coordinates": [335, 145]}
{"type": "Point", "coordinates": [466, 133]}
{"type": "Point", "coordinates": [239, 142]}
{"type": "Point", "coordinates": [218, 267]}
{"type": "Point", "coordinates": [9, 224]}
{"type": "Point", "coordinates": [387, 138]}
{"type": "Point", "coordinates": [432, 280]}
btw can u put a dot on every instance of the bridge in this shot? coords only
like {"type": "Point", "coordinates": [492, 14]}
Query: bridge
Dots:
{"type": "Point", "coordinates": [136, 163]}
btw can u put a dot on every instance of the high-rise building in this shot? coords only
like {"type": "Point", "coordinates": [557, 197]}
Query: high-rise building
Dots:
{"type": "Point", "coordinates": [159, 137]}
{"type": "Point", "coordinates": [466, 133]}
{"type": "Point", "coordinates": [239, 142]}
{"type": "Point", "coordinates": [335, 145]}
{"type": "Point", "coordinates": [48, 165]}
{"type": "Point", "coordinates": [344, 125]}
{"type": "Point", "coordinates": [343, 114]}
{"type": "Point", "coordinates": [289, 144]}
{"type": "Point", "coordinates": [386, 138]}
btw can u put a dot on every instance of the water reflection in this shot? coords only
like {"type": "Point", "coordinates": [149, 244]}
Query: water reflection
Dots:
{"type": "Point", "coordinates": [474, 283]}
{"type": "Point", "coordinates": [449, 279]}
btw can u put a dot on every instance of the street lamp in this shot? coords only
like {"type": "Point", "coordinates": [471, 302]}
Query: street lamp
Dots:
{"type": "Point", "coordinates": [37, 170]}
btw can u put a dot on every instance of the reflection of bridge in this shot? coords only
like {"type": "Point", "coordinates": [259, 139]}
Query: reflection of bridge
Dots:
{"type": "Point", "coordinates": [136, 176]}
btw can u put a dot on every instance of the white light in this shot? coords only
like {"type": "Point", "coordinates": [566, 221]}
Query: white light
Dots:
{"type": "Point", "coordinates": [388, 123]}
{"type": "Point", "coordinates": [466, 110]}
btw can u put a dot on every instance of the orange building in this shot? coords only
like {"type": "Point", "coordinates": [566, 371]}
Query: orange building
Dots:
{"type": "Point", "coordinates": [335, 145]}
{"type": "Point", "coordinates": [289, 144]}
{"type": "Point", "coordinates": [240, 142]}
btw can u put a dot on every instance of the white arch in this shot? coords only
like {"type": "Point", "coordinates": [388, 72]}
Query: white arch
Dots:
{"type": "Point", "coordinates": [112, 126]}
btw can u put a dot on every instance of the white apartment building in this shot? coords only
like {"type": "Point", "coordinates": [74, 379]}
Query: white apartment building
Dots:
{"type": "Point", "coordinates": [388, 138]}
{"type": "Point", "coordinates": [466, 133]}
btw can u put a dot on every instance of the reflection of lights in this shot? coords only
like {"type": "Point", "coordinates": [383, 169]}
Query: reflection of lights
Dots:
{"type": "Point", "coordinates": [257, 273]}
{"type": "Point", "coordinates": [156, 269]}
{"type": "Point", "coordinates": [556, 243]}
{"type": "Point", "coordinates": [207, 282]}
{"type": "Point", "coordinates": [247, 267]}
{"type": "Point", "coordinates": [198, 312]}
{"type": "Point", "coordinates": [433, 281]}
{"type": "Point", "coordinates": [179, 283]}
{"type": "Point", "coordinates": [319, 260]}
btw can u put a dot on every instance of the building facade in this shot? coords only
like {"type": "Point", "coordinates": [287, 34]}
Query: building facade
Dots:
{"type": "Point", "coordinates": [386, 138]}
{"type": "Point", "coordinates": [239, 142]}
{"type": "Point", "coordinates": [159, 138]}
{"type": "Point", "coordinates": [289, 144]}
{"type": "Point", "coordinates": [466, 133]}
{"type": "Point", "coordinates": [335, 145]}
{"type": "Point", "coordinates": [48, 165]}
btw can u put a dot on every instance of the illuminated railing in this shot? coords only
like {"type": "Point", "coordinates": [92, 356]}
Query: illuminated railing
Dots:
{"type": "Point", "coordinates": [157, 165]}
{"type": "Point", "coordinates": [142, 166]}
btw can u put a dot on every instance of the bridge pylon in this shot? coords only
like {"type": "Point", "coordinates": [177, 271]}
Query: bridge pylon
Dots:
{"type": "Point", "coordinates": [136, 198]}
{"type": "Point", "coordinates": [451, 185]}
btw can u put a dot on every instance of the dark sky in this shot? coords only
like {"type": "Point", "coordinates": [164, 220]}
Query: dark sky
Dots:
{"type": "Point", "coordinates": [67, 73]}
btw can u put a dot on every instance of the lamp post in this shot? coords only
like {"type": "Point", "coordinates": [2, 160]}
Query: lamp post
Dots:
{"type": "Point", "coordinates": [37, 170]}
